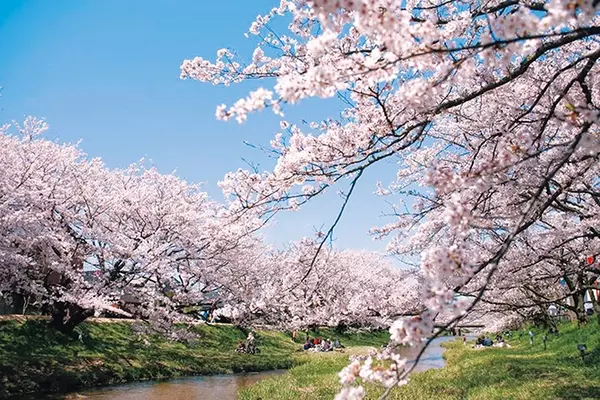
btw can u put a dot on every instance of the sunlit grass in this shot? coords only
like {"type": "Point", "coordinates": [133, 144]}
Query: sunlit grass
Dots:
{"type": "Point", "coordinates": [521, 372]}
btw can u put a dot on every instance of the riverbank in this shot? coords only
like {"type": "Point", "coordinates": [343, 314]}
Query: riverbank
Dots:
{"type": "Point", "coordinates": [520, 372]}
{"type": "Point", "coordinates": [35, 358]}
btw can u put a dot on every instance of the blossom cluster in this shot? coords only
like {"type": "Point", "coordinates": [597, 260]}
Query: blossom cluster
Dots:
{"type": "Point", "coordinates": [491, 112]}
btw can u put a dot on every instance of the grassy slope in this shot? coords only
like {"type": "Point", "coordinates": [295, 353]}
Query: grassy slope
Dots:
{"type": "Point", "coordinates": [522, 372]}
{"type": "Point", "coordinates": [34, 358]}
{"type": "Point", "coordinates": [316, 379]}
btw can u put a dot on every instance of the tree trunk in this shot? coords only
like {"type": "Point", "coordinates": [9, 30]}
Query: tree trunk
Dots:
{"type": "Point", "coordinates": [341, 328]}
{"type": "Point", "coordinates": [66, 316]}
{"type": "Point", "coordinates": [595, 304]}
{"type": "Point", "coordinates": [580, 305]}
{"type": "Point", "coordinates": [18, 303]}
{"type": "Point", "coordinates": [25, 304]}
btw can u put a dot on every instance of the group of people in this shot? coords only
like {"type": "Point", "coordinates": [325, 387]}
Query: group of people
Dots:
{"type": "Point", "coordinates": [484, 341]}
{"type": "Point", "coordinates": [318, 344]}
{"type": "Point", "coordinates": [247, 346]}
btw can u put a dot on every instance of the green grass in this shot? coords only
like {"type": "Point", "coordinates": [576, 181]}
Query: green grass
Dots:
{"type": "Point", "coordinates": [36, 358]}
{"type": "Point", "coordinates": [315, 379]}
{"type": "Point", "coordinates": [521, 372]}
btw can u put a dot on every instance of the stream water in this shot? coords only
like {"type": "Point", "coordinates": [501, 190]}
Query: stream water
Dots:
{"type": "Point", "coordinates": [213, 387]}
{"type": "Point", "coordinates": [224, 387]}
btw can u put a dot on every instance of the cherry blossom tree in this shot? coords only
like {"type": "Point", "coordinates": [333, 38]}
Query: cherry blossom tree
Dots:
{"type": "Point", "coordinates": [541, 273]}
{"type": "Point", "coordinates": [490, 109]}
{"type": "Point", "coordinates": [40, 210]}
{"type": "Point", "coordinates": [346, 288]}
{"type": "Point", "coordinates": [80, 238]}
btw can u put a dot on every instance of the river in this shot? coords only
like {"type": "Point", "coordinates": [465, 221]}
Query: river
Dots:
{"type": "Point", "coordinates": [225, 387]}
{"type": "Point", "coordinates": [432, 357]}
{"type": "Point", "coordinates": [212, 387]}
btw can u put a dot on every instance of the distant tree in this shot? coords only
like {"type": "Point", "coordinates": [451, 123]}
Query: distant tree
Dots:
{"type": "Point", "coordinates": [357, 288]}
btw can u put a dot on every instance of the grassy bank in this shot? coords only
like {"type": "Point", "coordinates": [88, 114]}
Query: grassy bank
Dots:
{"type": "Point", "coordinates": [315, 379]}
{"type": "Point", "coordinates": [521, 372]}
{"type": "Point", "coordinates": [35, 358]}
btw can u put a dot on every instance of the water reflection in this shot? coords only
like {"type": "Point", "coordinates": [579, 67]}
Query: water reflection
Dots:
{"type": "Point", "coordinates": [218, 387]}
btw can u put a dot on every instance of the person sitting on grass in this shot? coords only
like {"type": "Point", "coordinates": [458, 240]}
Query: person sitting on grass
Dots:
{"type": "Point", "coordinates": [325, 346]}
{"type": "Point", "coordinates": [307, 344]}
{"type": "Point", "coordinates": [337, 344]}
{"type": "Point", "coordinates": [241, 347]}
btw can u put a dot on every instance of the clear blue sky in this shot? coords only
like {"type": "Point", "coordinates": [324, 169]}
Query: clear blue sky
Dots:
{"type": "Point", "coordinates": [107, 72]}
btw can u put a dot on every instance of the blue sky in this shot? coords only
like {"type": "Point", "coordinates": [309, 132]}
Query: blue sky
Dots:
{"type": "Point", "coordinates": [107, 72]}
